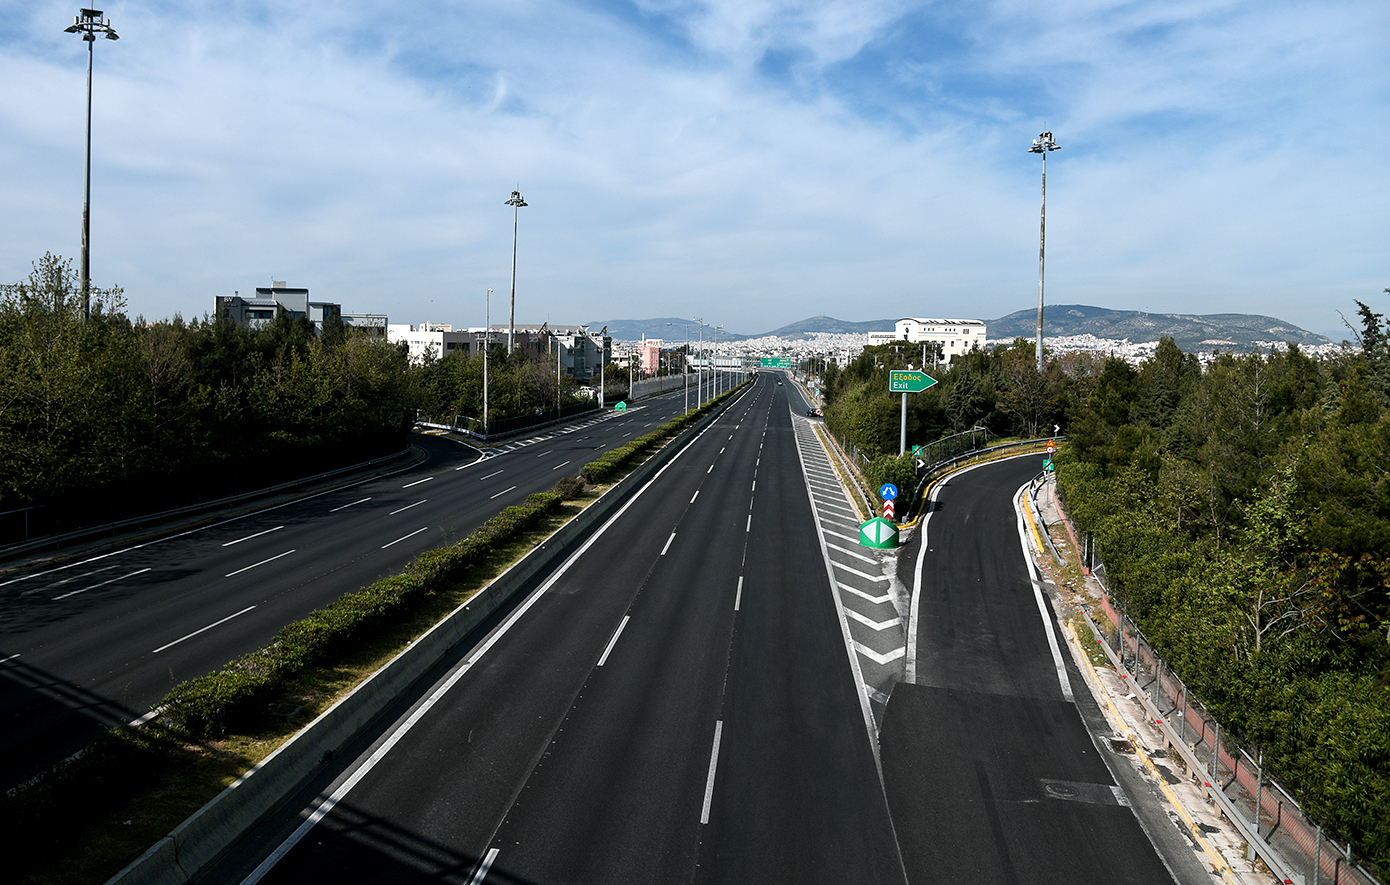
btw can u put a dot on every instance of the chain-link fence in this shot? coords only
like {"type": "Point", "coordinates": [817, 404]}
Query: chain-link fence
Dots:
{"type": "Point", "coordinates": [1262, 808]}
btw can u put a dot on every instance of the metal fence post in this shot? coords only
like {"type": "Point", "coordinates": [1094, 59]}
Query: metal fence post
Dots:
{"type": "Point", "coordinates": [1317, 856]}
{"type": "Point", "coordinates": [1216, 755]}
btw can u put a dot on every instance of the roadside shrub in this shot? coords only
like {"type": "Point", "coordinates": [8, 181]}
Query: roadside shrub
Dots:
{"type": "Point", "coordinates": [569, 487]}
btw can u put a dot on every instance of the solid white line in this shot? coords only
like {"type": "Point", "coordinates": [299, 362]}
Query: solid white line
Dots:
{"type": "Point", "coordinates": [345, 506]}
{"type": "Point", "coordinates": [256, 535]}
{"type": "Point", "coordinates": [424, 708]}
{"type": "Point", "coordinates": [614, 641]}
{"type": "Point", "coordinates": [491, 475]}
{"type": "Point", "coordinates": [417, 482]}
{"type": "Point", "coordinates": [262, 562]}
{"type": "Point", "coordinates": [102, 584]}
{"type": "Point", "coordinates": [1042, 606]}
{"type": "Point", "coordinates": [488, 858]}
{"type": "Point", "coordinates": [668, 543]}
{"type": "Point", "coordinates": [408, 506]}
{"type": "Point", "coordinates": [694, 496]}
{"type": "Point", "coordinates": [403, 537]}
{"type": "Point", "coordinates": [205, 629]}
{"type": "Point", "coordinates": [738, 597]}
{"type": "Point", "coordinates": [558, 466]}
{"type": "Point", "coordinates": [713, 765]}
{"type": "Point", "coordinates": [503, 492]}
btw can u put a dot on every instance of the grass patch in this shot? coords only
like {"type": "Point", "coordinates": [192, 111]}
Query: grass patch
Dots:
{"type": "Point", "coordinates": [1089, 644]}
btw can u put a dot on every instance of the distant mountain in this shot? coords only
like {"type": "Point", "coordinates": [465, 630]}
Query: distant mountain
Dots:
{"type": "Point", "coordinates": [1233, 331]}
{"type": "Point", "coordinates": [636, 330]}
{"type": "Point", "coordinates": [829, 324]}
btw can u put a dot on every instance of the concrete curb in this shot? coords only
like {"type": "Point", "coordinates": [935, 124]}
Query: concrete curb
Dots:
{"type": "Point", "coordinates": [197, 842]}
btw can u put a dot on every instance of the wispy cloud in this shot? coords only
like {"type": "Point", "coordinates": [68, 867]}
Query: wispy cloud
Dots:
{"type": "Point", "coordinates": [750, 162]}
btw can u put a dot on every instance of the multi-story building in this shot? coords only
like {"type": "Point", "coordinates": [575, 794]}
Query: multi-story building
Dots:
{"type": "Point", "coordinates": [270, 300]}
{"type": "Point", "coordinates": [437, 339]}
{"type": "Point", "coordinates": [956, 337]}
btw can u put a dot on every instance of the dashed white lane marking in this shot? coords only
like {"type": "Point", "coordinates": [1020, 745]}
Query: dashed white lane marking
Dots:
{"type": "Point", "coordinates": [262, 562]}
{"type": "Point", "coordinates": [346, 506]}
{"type": "Point", "coordinates": [408, 506]}
{"type": "Point", "coordinates": [491, 475]}
{"type": "Point", "coordinates": [10, 658]}
{"type": "Point", "coordinates": [558, 466]}
{"type": "Point", "coordinates": [403, 537]}
{"type": "Point", "coordinates": [203, 630]}
{"type": "Point", "coordinates": [713, 766]}
{"type": "Point", "coordinates": [417, 482]}
{"type": "Point", "coordinates": [503, 492]}
{"type": "Point", "coordinates": [876, 657]}
{"type": "Point", "coordinates": [614, 641]}
{"type": "Point", "coordinates": [102, 584]}
{"type": "Point", "coordinates": [738, 597]}
{"type": "Point", "coordinates": [486, 865]}
{"type": "Point", "coordinates": [668, 543]}
{"type": "Point", "coordinates": [694, 496]}
{"type": "Point", "coordinates": [256, 535]}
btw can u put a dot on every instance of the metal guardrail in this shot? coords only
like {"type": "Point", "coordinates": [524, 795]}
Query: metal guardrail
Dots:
{"type": "Point", "coordinates": [1268, 817]}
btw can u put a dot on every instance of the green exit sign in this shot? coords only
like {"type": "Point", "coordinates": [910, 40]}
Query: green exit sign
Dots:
{"type": "Point", "coordinates": [908, 381]}
{"type": "Point", "coordinates": [773, 362]}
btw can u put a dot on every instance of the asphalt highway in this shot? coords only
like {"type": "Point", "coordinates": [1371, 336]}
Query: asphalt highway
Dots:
{"type": "Point", "coordinates": [992, 773]}
{"type": "Point", "coordinates": [674, 704]}
{"type": "Point", "coordinates": [96, 640]}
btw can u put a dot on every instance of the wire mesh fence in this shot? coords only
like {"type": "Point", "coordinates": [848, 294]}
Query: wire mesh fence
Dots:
{"type": "Point", "coordinates": [1266, 807]}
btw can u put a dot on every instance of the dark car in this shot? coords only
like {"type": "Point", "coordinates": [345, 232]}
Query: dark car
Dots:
{"type": "Point", "coordinates": [814, 413]}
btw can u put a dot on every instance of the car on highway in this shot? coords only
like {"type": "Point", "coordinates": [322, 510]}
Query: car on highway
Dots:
{"type": "Point", "coordinates": [814, 413]}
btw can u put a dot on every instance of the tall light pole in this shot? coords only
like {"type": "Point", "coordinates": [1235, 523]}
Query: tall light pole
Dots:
{"type": "Point", "coordinates": [487, 345]}
{"type": "Point", "coordinates": [685, 369]}
{"type": "Point", "coordinates": [89, 23]}
{"type": "Point", "coordinates": [516, 202]}
{"type": "Point", "coordinates": [1042, 145]}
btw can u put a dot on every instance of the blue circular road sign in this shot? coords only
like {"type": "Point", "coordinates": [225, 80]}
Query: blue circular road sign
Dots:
{"type": "Point", "coordinates": [888, 492]}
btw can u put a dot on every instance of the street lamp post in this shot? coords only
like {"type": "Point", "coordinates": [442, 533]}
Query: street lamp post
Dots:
{"type": "Point", "coordinates": [1042, 145]}
{"type": "Point", "coordinates": [516, 202]}
{"type": "Point", "coordinates": [88, 23]}
{"type": "Point", "coordinates": [685, 368]}
{"type": "Point", "coordinates": [487, 345]}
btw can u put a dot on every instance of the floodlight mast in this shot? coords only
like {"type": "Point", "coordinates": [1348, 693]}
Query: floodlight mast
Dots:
{"type": "Point", "coordinates": [1042, 145]}
{"type": "Point", "coordinates": [89, 23]}
{"type": "Point", "coordinates": [516, 202]}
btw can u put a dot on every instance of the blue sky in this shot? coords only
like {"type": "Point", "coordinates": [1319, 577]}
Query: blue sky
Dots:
{"type": "Point", "coordinates": [753, 162]}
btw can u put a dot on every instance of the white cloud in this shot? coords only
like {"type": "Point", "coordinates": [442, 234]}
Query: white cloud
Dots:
{"type": "Point", "coordinates": [1216, 156]}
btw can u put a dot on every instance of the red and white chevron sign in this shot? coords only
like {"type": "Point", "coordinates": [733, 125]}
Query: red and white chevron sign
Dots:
{"type": "Point", "coordinates": [887, 509]}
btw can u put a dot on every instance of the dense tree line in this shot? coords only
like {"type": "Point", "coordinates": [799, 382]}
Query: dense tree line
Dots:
{"type": "Point", "coordinates": [156, 413]}
{"type": "Point", "coordinates": [1242, 509]}
{"type": "Point", "coordinates": [1243, 514]}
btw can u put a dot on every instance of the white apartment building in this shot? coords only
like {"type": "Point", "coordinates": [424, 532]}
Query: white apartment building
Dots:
{"type": "Point", "coordinates": [438, 338]}
{"type": "Point", "coordinates": [956, 337]}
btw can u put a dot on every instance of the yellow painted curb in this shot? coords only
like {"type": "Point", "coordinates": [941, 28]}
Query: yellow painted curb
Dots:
{"type": "Point", "coordinates": [1213, 855]}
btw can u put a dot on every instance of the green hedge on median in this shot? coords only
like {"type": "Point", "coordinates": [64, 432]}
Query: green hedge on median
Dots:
{"type": "Point", "coordinates": [228, 699]}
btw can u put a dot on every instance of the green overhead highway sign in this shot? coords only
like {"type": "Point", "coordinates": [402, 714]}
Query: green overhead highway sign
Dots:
{"type": "Point", "coordinates": [773, 362]}
{"type": "Point", "coordinates": [879, 534]}
{"type": "Point", "coordinates": [908, 381]}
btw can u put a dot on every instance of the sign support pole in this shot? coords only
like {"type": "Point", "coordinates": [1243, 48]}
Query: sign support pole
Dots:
{"type": "Point", "coordinates": [902, 435]}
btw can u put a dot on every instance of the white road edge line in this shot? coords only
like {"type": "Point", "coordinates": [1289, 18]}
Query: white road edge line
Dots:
{"type": "Point", "coordinates": [256, 535]}
{"type": "Point", "coordinates": [102, 584]}
{"type": "Point", "coordinates": [713, 766]}
{"type": "Point", "coordinates": [614, 641]}
{"type": "Point", "coordinates": [403, 537]}
{"type": "Point", "coordinates": [204, 630]}
{"type": "Point", "coordinates": [1036, 581]}
{"type": "Point", "coordinates": [253, 565]}
{"type": "Point", "coordinates": [419, 713]}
